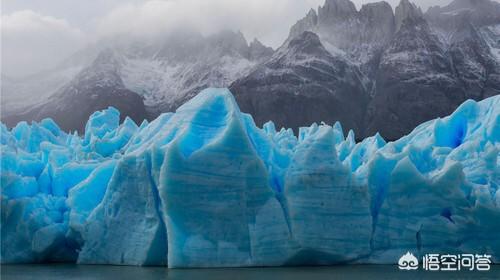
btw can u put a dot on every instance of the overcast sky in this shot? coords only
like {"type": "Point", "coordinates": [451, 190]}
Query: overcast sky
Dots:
{"type": "Point", "coordinates": [36, 34]}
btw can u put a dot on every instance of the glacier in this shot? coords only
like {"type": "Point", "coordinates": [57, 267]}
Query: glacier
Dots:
{"type": "Point", "coordinates": [205, 187]}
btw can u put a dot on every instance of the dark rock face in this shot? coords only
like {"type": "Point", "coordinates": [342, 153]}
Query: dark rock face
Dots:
{"type": "Point", "coordinates": [474, 66]}
{"type": "Point", "coordinates": [303, 83]}
{"type": "Point", "coordinates": [407, 11]}
{"type": "Point", "coordinates": [377, 29]}
{"type": "Point", "coordinates": [421, 76]}
{"type": "Point", "coordinates": [257, 51]}
{"type": "Point", "coordinates": [411, 68]}
{"type": "Point", "coordinates": [414, 83]}
{"type": "Point", "coordinates": [95, 88]}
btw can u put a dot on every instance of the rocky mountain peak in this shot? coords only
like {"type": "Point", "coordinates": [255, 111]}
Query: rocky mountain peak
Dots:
{"type": "Point", "coordinates": [307, 43]}
{"type": "Point", "coordinates": [406, 10]}
{"type": "Point", "coordinates": [453, 16]}
{"type": "Point", "coordinates": [335, 10]}
{"type": "Point", "coordinates": [229, 41]}
{"type": "Point", "coordinates": [309, 22]}
{"type": "Point", "coordinates": [307, 37]}
{"type": "Point", "coordinates": [377, 11]}
{"type": "Point", "coordinates": [405, 67]}
{"type": "Point", "coordinates": [378, 19]}
{"type": "Point", "coordinates": [312, 15]}
{"type": "Point", "coordinates": [258, 50]}
{"type": "Point", "coordinates": [344, 30]}
{"type": "Point", "coordinates": [461, 4]}
{"type": "Point", "coordinates": [107, 57]}
{"type": "Point", "coordinates": [104, 70]}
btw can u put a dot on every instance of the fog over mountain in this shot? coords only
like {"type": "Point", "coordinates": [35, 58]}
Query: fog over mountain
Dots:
{"type": "Point", "coordinates": [36, 35]}
{"type": "Point", "coordinates": [373, 67]}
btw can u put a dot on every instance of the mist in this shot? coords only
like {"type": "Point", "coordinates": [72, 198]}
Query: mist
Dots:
{"type": "Point", "coordinates": [37, 35]}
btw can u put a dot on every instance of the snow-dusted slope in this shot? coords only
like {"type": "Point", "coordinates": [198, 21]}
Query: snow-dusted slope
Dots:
{"type": "Point", "coordinates": [164, 72]}
{"type": "Point", "coordinates": [491, 35]}
{"type": "Point", "coordinates": [18, 94]}
{"type": "Point", "coordinates": [186, 63]}
{"type": "Point", "coordinates": [303, 83]}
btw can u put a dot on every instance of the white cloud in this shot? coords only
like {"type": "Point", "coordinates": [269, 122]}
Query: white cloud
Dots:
{"type": "Point", "coordinates": [267, 20]}
{"type": "Point", "coordinates": [32, 42]}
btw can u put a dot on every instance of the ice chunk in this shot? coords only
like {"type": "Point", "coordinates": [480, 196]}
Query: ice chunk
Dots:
{"type": "Point", "coordinates": [329, 213]}
{"type": "Point", "coordinates": [126, 227]}
{"type": "Point", "coordinates": [219, 208]}
{"type": "Point", "coordinates": [205, 187]}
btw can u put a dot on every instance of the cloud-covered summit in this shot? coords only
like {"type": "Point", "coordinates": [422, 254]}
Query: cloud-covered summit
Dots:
{"type": "Point", "coordinates": [39, 34]}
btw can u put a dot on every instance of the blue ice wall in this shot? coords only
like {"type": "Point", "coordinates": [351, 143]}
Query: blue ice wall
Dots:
{"type": "Point", "coordinates": [204, 187]}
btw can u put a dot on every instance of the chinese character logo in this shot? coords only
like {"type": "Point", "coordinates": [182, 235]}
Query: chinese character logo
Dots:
{"type": "Point", "coordinates": [447, 262]}
{"type": "Point", "coordinates": [408, 262]}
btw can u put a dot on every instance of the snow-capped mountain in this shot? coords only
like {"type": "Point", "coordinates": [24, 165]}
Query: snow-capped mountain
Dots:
{"type": "Point", "coordinates": [95, 87]}
{"type": "Point", "coordinates": [153, 76]}
{"type": "Point", "coordinates": [375, 69]}
{"type": "Point", "coordinates": [477, 12]}
{"type": "Point", "coordinates": [412, 68]}
{"type": "Point", "coordinates": [357, 35]}
{"type": "Point", "coordinates": [415, 79]}
{"type": "Point", "coordinates": [423, 74]}
{"type": "Point", "coordinates": [186, 63]}
{"type": "Point", "coordinates": [303, 83]}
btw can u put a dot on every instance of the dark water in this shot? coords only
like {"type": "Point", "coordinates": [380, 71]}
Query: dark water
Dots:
{"type": "Point", "coordinates": [386, 272]}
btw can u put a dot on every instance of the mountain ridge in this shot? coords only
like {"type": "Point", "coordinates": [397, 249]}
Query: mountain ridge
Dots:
{"type": "Point", "coordinates": [390, 68]}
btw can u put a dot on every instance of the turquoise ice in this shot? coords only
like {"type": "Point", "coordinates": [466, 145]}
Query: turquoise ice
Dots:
{"type": "Point", "coordinates": [205, 187]}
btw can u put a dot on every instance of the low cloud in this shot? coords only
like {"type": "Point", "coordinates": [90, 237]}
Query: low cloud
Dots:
{"type": "Point", "coordinates": [32, 42]}
{"type": "Point", "coordinates": [267, 20]}
{"type": "Point", "coordinates": [38, 38]}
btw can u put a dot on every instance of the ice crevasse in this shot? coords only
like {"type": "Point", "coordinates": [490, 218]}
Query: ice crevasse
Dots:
{"type": "Point", "coordinates": [205, 187]}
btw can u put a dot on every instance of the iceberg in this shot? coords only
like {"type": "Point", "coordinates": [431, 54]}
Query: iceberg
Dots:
{"type": "Point", "coordinates": [205, 187]}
